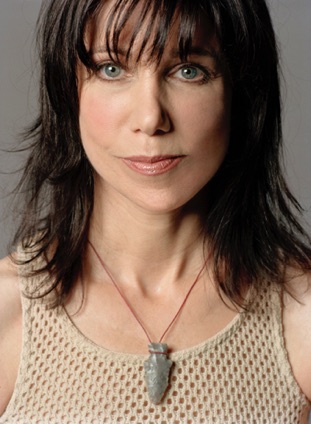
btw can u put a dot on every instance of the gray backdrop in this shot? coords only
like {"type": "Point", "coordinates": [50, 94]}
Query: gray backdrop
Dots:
{"type": "Point", "coordinates": [18, 90]}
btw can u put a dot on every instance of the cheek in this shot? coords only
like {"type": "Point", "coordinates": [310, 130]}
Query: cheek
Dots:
{"type": "Point", "coordinates": [210, 133]}
{"type": "Point", "coordinates": [209, 111]}
{"type": "Point", "coordinates": [208, 125]}
{"type": "Point", "coordinates": [93, 117]}
{"type": "Point", "coordinates": [99, 117]}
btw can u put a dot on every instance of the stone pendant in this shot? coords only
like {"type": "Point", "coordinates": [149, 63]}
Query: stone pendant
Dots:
{"type": "Point", "coordinates": [157, 370]}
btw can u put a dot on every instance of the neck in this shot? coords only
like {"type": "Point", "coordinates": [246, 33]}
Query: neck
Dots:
{"type": "Point", "coordinates": [146, 248]}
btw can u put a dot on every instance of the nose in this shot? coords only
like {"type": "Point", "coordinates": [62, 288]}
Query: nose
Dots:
{"type": "Point", "coordinates": [149, 112]}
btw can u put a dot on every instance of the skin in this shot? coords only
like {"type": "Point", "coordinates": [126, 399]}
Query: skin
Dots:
{"type": "Point", "coordinates": [151, 220]}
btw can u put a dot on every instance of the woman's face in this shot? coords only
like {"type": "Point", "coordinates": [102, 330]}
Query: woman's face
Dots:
{"type": "Point", "coordinates": [155, 134]}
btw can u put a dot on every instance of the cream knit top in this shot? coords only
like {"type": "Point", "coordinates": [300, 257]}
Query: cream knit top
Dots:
{"type": "Point", "coordinates": [240, 376]}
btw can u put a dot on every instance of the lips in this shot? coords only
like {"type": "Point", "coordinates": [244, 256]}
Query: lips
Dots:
{"type": "Point", "coordinates": [152, 165]}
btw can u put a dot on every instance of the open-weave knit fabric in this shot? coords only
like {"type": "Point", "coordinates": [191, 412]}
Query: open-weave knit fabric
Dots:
{"type": "Point", "coordinates": [240, 376]}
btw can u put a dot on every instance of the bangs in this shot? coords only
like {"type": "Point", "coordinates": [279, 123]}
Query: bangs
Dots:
{"type": "Point", "coordinates": [151, 20]}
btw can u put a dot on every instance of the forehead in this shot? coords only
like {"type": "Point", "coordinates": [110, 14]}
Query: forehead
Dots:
{"type": "Point", "coordinates": [148, 32]}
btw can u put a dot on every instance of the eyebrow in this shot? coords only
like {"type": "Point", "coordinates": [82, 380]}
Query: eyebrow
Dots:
{"type": "Point", "coordinates": [103, 49]}
{"type": "Point", "coordinates": [176, 53]}
{"type": "Point", "coordinates": [197, 51]}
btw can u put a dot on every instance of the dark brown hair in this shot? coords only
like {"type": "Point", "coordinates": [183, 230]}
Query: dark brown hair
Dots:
{"type": "Point", "coordinates": [250, 217]}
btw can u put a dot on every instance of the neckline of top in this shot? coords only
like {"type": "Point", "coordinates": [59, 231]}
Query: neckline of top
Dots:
{"type": "Point", "coordinates": [210, 343]}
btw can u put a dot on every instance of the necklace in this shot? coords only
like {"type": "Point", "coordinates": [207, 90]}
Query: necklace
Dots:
{"type": "Point", "coordinates": [157, 367]}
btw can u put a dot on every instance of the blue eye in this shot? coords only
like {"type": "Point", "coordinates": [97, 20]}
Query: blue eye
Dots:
{"type": "Point", "coordinates": [111, 70]}
{"type": "Point", "coordinates": [189, 72]}
{"type": "Point", "coordinates": [192, 73]}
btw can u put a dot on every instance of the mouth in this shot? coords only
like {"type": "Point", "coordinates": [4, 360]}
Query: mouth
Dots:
{"type": "Point", "coordinates": [152, 165]}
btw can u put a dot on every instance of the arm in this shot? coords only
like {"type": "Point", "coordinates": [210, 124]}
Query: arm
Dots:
{"type": "Point", "coordinates": [297, 329]}
{"type": "Point", "coordinates": [10, 330]}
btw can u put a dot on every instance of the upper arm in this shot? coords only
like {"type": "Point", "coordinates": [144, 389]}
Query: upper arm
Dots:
{"type": "Point", "coordinates": [10, 330]}
{"type": "Point", "coordinates": [297, 330]}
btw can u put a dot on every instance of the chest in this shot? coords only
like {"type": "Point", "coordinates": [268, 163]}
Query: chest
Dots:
{"type": "Point", "coordinates": [240, 375]}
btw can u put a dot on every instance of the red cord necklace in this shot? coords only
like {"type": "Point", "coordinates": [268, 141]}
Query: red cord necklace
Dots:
{"type": "Point", "coordinates": [157, 366]}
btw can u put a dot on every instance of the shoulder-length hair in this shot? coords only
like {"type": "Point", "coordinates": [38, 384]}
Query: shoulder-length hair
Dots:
{"type": "Point", "coordinates": [250, 215]}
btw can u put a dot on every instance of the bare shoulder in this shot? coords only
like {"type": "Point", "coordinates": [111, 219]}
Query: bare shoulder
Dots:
{"type": "Point", "coordinates": [10, 329]}
{"type": "Point", "coordinates": [10, 301]}
{"type": "Point", "coordinates": [297, 327]}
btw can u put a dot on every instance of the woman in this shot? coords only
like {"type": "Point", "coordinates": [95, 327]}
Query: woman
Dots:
{"type": "Point", "coordinates": [156, 214]}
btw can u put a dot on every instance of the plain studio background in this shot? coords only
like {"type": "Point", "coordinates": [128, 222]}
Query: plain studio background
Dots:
{"type": "Point", "coordinates": [18, 92]}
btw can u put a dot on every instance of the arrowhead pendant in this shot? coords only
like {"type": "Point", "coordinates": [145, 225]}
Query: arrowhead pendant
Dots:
{"type": "Point", "coordinates": [157, 370]}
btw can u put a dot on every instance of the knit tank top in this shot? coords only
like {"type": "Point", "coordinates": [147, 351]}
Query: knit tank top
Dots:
{"type": "Point", "coordinates": [240, 376]}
